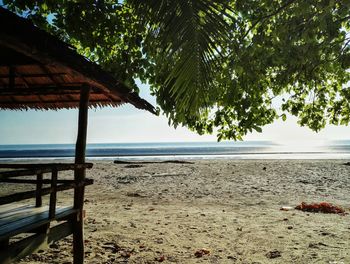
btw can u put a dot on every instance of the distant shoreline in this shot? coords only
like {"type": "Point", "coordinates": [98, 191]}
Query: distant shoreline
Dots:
{"type": "Point", "coordinates": [237, 156]}
{"type": "Point", "coordinates": [186, 150]}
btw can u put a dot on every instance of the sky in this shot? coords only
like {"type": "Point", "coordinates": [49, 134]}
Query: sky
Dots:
{"type": "Point", "coordinates": [127, 124]}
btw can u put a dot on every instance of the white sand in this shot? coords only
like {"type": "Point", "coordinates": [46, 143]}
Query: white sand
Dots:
{"type": "Point", "coordinates": [230, 207]}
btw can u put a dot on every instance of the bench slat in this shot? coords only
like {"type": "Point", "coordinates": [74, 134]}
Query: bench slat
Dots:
{"type": "Point", "coordinates": [12, 207]}
{"type": "Point", "coordinates": [20, 212]}
{"type": "Point", "coordinates": [28, 222]}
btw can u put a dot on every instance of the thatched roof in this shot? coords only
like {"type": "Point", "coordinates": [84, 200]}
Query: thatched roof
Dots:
{"type": "Point", "coordinates": [39, 71]}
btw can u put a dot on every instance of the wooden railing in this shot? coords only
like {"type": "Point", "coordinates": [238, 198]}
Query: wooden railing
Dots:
{"type": "Point", "coordinates": [18, 218]}
{"type": "Point", "coordinates": [38, 170]}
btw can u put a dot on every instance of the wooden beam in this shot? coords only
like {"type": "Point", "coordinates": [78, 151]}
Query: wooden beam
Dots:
{"type": "Point", "coordinates": [77, 85]}
{"type": "Point", "coordinates": [58, 84]}
{"type": "Point", "coordinates": [26, 84]}
{"type": "Point", "coordinates": [48, 73]}
{"type": "Point", "coordinates": [45, 191]}
{"type": "Point", "coordinates": [63, 90]}
{"type": "Point", "coordinates": [50, 89]}
{"type": "Point", "coordinates": [33, 75]}
{"type": "Point", "coordinates": [33, 181]}
{"type": "Point", "coordinates": [11, 77]}
{"type": "Point", "coordinates": [59, 166]}
{"type": "Point", "coordinates": [42, 104]}
{"type": "Point", "coordinates": [16, 62]}
{"type": "Point", "coordinates": [42, 88]}
{"type": "Point", "coordinates": [36, 169]}
{"type": "Point", "coordinates": [79, 176]}
{"type": "Point", "coordinates": [26, 172]}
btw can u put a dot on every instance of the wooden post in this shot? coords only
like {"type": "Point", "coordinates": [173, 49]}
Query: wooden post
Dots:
{"type": "Point", "coordinates": [39, 186]}
{"type": "Point", "coordinates": [79, 176]}
{"type": "Point", "coordinates": [53, 194]}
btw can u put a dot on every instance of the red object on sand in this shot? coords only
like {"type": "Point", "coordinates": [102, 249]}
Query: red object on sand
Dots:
{"type": "Point", "coordinates": [201, 252]}
{"type": "Point", "coordinates": [323, 207]}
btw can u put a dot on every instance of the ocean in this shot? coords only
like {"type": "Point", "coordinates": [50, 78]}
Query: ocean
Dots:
{"type": "Point", "coordinates": [183, 150]}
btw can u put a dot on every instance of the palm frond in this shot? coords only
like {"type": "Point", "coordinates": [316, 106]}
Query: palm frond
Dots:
{"type": "Point", "coordinates": [189, 35]}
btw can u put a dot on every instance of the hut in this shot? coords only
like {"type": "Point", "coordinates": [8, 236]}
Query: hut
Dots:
{"type": "Point", "coordinates": [39, 71]}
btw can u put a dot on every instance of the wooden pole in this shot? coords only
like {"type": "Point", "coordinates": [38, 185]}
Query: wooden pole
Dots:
{"type": "Point", "coordinates": [53, 194]}
{"type": "Point", "coordinates": [39, 187]}
{"type": "Point", "coordinates": [79, 176]}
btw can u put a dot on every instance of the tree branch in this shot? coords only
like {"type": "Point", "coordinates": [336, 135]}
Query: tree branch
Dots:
{"type": "Point", "coordinates": [278, 10]}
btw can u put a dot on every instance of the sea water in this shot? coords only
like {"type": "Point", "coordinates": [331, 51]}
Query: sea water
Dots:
{"type": "Point", "coordinates": [184, 150]}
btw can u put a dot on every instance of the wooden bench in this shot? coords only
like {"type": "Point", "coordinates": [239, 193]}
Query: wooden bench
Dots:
{"type": "Point", "coordinates": [42, 225]}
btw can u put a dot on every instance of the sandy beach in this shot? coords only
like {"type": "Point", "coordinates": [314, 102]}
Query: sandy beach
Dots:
{"type": "Point", "coordinates": [212, 211]}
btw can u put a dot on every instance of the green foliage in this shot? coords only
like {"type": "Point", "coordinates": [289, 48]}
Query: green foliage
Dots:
{"type": "Point", "coordinates": [216, 66]}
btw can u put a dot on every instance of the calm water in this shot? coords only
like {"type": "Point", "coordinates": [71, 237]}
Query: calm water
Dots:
{"type": "Point", "coordinates": [235, 150]}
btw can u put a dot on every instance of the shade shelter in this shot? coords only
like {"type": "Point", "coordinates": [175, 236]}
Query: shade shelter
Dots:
{"type": "Point", "coordinates": [39, 71]}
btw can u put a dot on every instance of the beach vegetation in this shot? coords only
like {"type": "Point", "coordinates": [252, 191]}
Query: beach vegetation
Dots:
{"type": "Point", "coordinates": [224, 67]}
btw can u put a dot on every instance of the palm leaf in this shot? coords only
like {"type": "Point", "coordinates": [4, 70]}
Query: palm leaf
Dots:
{"type": "Point", "coordinates": [189, 37]}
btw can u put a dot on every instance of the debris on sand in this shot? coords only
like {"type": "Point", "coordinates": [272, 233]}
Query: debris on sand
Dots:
{"type": "Point", "coordinates": [160, 258]}
{"type": "Point", "coordinates": [152, 162]}
{"type": "Point", "coordinates": [135, 194]}
{"type": "Point", "coordinates": [132, 166]}
{"type": "Point", "coordinates": [273, 254]}
{"type": "Point", "coordinates": [286, 208]}
{"type": "Point", "coordinates": [201, 252]}
{"type": "Point", "coordinates": [323, 207]}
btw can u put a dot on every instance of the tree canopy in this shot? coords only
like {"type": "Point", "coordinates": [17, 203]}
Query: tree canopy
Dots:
{"type": "Point", "coordinates": [216, 65]}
